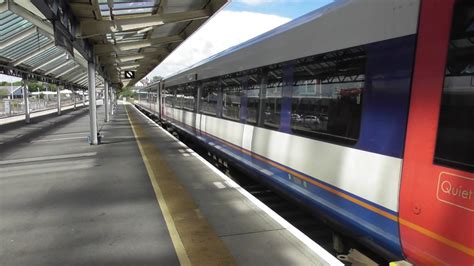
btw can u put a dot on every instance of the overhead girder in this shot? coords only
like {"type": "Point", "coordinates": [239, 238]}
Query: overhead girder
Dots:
{"type": "Point", "coordinates": [21, 73]}
{"type": "Point", "coordinates": [143, 63]}
{"type": "Point", "coordinates": [109, 60]}
{"type": "Point", "coordinates": [90, 28]}
{"type": "Point", "coordinates": [3, 6]}
{"type": "Point", "coordinates": [108, 48]}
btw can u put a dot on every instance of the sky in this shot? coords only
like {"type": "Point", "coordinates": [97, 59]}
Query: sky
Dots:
{"type": "Point", "coordinates": [239, 21]}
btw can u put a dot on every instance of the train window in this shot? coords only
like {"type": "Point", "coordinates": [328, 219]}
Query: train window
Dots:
{"type": "Point", "coordinates": [273, 96]}
{"type": "Point", "coordinates": [232, 96]}
{"type": "Point", "coordinates": [152, 98]}
{"type": "Point", "coordinates": [252, 92]}
{"type": "Point", "coordinates": [455, 139]}
{"type": "Point", "coordinates": [189, 100]}
{"type": "Point", "coordinates": [326, 96]}
{"type": "Point", "coordinates": [168, 94]}
{"type": "Point", "coordinates": [209, 97]}
{"type": "Point", "coordinates": [179, 101]}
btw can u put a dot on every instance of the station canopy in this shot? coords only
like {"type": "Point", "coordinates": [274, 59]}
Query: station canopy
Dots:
{"type": "Point", "coordinates": [53, 40]}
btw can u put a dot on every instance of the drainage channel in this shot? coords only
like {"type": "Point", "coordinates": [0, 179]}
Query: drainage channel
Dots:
{"type": "Point", "coordinates": [341, 245]}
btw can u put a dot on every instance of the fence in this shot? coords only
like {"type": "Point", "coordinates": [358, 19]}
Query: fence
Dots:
{"type": "Point", "coordinates": [12, 107]}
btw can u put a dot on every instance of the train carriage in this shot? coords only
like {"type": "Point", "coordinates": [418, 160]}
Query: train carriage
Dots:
{"type": "Point", "coordinates": [367, 119]}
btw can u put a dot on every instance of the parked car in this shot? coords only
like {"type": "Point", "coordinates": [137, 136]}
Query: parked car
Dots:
{"type": "Point", "coordinates": [311, 121]}
{"type": "Point", "coordinates": [296, 118]}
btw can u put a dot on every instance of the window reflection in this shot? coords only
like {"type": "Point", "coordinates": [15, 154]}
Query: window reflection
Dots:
{"type": "Point", "coordinates": [455, 141]}
{"type": "Point", "coordinates": [326, 95]}
{"type": "Point", "coordinates": [168, 94]}
{"type": "Point", "coordinates": [209, 97]}
{"type": "Point", "coordinates": [189, 97]}
{"type": "Point", "coordinates": [273, 96]}
{"type": "Point", "coordinates": [252, 92]}
{"type": "Point", "coordinates": [232, 96]}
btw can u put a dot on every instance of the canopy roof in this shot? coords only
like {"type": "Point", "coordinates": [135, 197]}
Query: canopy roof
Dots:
{"type": "Point", "coordinates": [27, 48]}
{"type": "Point", "coordinates": [138, 34]}
{"type": "Point", "coordinates": [123, 35]}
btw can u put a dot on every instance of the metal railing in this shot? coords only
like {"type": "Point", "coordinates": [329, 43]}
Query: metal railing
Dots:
{"type": "Point", "coordinates": [13, 107]}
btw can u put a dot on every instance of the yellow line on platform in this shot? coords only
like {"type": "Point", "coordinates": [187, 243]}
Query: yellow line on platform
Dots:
{"type": "Point", "coordinates": [175, 238]}
{"type": "Point", "coordinates": [194, 239]}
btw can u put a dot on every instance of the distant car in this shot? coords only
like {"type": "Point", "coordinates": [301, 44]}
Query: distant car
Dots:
{"type": "Point", "coordinates": [324, 118]}
{"type": "Point", "coordinates": [311, 119]}
{"type": "Point", "coordinates": [296, 118]}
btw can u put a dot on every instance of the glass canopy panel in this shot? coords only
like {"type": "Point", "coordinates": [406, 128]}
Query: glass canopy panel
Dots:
{"type": "Point", "coordinates": [25, 43]}
{"type": "Point", "coordinates": [12, 25]}
{"type": "Point", "coordinates": [42, 58]}
{"type": "Point", "coordinates": [70, 64]}
{"type": "Point", "coordinates": [27, 46]}
{"type": "Point", "coordinates": [128, 7]}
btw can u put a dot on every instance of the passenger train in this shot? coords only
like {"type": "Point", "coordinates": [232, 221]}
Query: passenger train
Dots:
{"type": "Point", "coordinates": [362, 110]}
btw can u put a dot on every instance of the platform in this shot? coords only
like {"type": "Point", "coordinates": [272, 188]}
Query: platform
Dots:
{"type": "Point", "coordinates": [140, 198]}
{"type": "Point", "coordinates": [38, 114]}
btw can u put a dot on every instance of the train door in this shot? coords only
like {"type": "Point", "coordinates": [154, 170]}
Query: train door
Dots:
{"type": "Point", "coordinates": [437, 191]}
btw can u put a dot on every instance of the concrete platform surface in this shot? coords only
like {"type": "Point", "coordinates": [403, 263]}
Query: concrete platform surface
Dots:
{"type": "Point", "coordinates": [139, 198]}
{"type": "Point", "coordinates": [64, 202]}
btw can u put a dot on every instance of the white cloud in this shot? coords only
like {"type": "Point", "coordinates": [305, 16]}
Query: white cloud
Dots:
{"type": "Point", "coordinates": [254, 2]}
{"type": "Point", "coordinates": [265, 2]}
{"type": "Point", "coordinates": [226, 29]}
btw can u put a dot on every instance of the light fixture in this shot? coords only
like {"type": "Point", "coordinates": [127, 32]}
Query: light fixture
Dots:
{"type": "Point", "coordinates": [144, 30]}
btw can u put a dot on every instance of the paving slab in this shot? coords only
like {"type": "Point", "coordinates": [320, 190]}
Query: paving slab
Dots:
{"type": "Point", "coordinates": [64, 202]}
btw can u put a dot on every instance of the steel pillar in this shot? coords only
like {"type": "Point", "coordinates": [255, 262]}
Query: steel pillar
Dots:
{"type": "Point", "coordinates": [112, 102]}
{"type": "Point", "coordinates": [26, 101]}
{"type": "Point", "coordinates": [74, 98]}
{"type": "Point", "coordinates": [106, 104]}
{"type": "Point", "coordinates": [92, 104]}
{"type": "Point", "coordinates": [58, 95]}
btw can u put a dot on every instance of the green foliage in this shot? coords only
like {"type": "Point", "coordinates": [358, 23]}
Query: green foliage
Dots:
{"type": "Point", "coordinates": [156, 78]}
{"type": "Point", "coordinates": [6, 83]}
{"type": "Point", "coordinates": [125, 92]}
{"type": "Point", "coordinates": [35, 86]}
{"type": "Point", "coordinates": [32, 85]}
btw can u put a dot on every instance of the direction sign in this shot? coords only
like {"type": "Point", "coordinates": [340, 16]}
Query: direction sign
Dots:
{"type": "Point", "coordinates": [129, 74]}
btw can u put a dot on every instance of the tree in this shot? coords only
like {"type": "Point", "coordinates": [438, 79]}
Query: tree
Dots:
{"type": "Point", "coordinates": [4, 93]}
{"type": "Point", "coordinates": [125, 92]}
{"type": "Point", "coordinates": [156, 78]}
{"type": "Point", "coordinates": [35, 86]}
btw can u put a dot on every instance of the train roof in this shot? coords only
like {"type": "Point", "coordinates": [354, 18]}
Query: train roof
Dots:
{"type": "Point", "coordinates": [371, 22]}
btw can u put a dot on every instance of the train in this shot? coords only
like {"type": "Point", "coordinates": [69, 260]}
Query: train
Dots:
{"type": "Point", "coordinates": [361, 110]}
